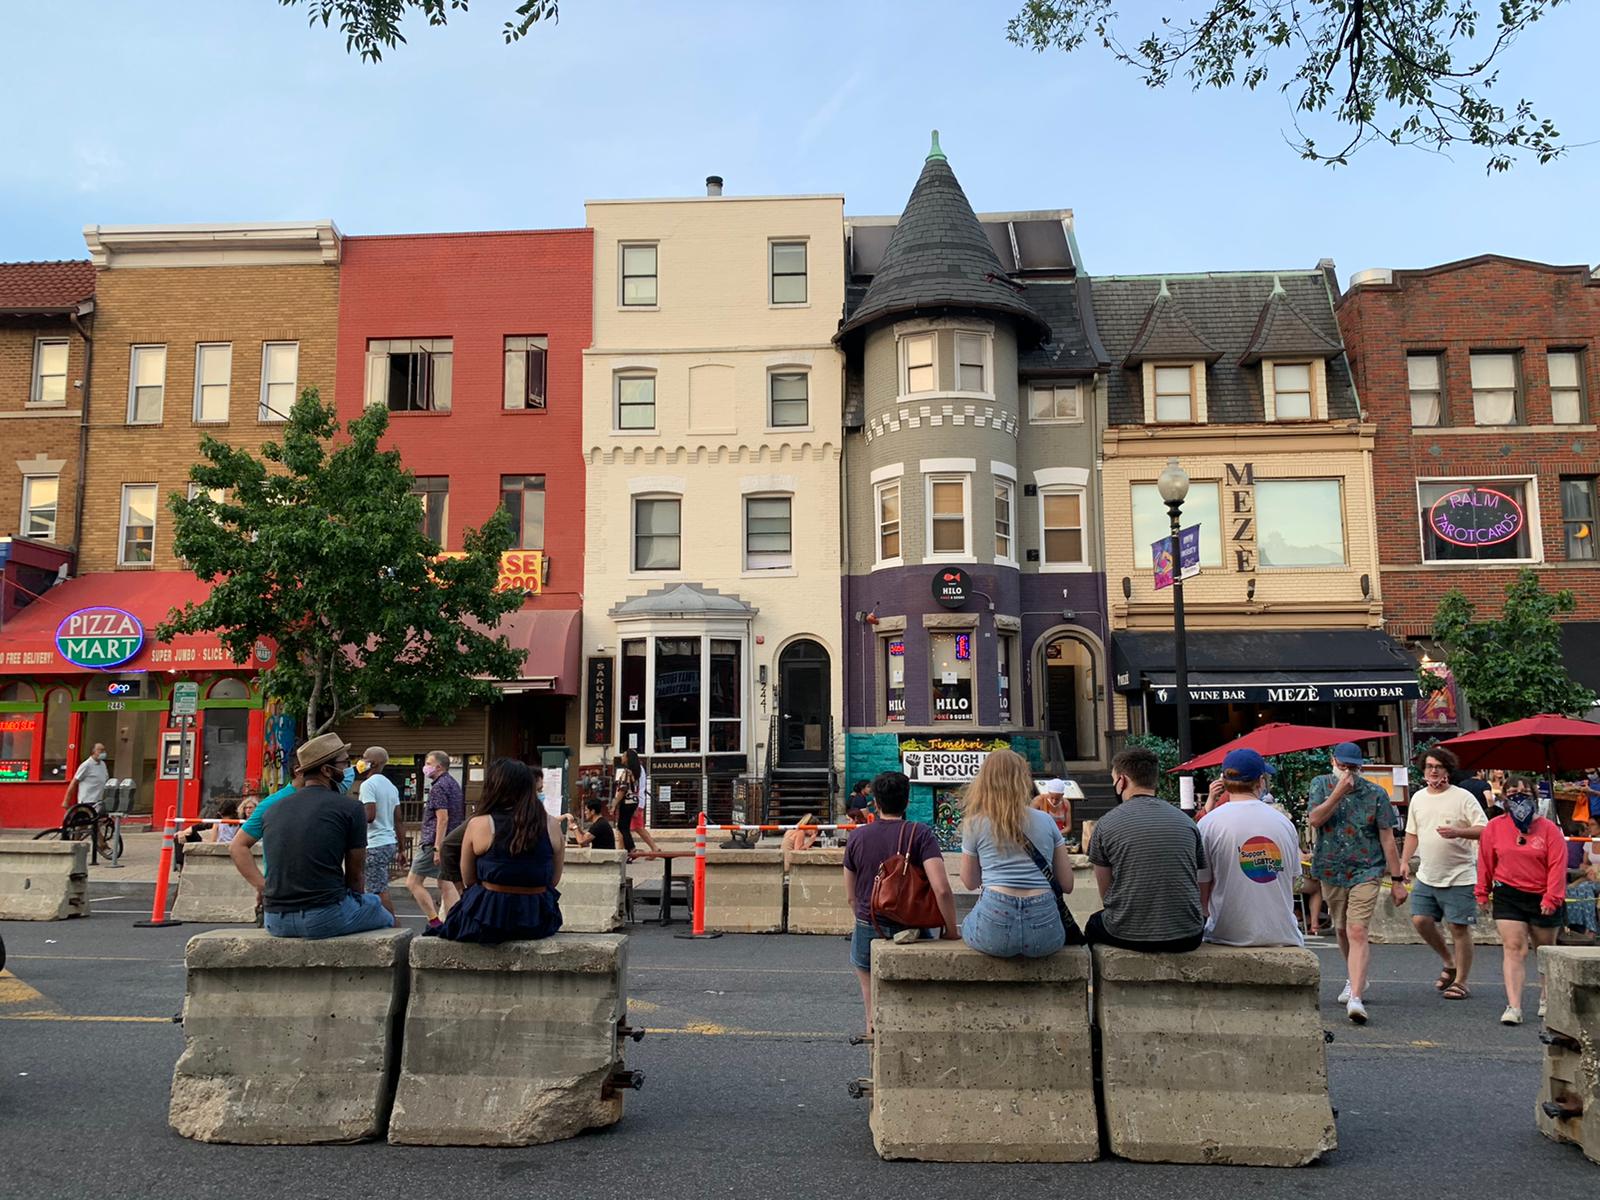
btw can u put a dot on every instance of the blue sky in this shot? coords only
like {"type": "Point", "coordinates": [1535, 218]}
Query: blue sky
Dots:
{"type": "Point", "coordinates": [230, 110]}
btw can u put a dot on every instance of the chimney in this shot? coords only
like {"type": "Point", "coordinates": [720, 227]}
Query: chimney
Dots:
{"type": "Point", "coordinates": [713, 185]}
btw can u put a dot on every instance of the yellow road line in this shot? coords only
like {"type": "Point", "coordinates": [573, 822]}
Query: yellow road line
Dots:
{"type": "Point", "coordinates": [86, 958]}
{"type": "Point", "coordinates": [14, 991]}
{"type": "Point", "coordinates": [44, 1016]}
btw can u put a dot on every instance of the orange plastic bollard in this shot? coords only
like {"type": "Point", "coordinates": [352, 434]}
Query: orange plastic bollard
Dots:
{"type": "Point", "coordinates": [698, 928]}
{"type": "Point", "coordinates": [158, 910]}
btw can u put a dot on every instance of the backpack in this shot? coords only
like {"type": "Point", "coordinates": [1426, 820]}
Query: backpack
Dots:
{"type": "Point", "coordinates": [901, 892]}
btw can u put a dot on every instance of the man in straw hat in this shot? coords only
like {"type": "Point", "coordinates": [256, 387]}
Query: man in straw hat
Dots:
{"type": "Point", "coordinates": [317, 840]}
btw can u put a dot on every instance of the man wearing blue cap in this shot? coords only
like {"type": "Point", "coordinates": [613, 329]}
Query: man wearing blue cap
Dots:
{"type": "Point", "coordinates": [1252, 861]}
{"type": "Point", "coordinates": [1355, 846]}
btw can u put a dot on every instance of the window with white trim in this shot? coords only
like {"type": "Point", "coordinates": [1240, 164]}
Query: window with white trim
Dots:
{"type": "Point", "coordinates": [1004, 518]}
{"type": "Point", "coordinates": [917, 352]}
{"type": "Point", "coordinates": [636, 402]}
{"type": "Point", "coordinates": [1049, 402]}
{"type": "Point", "coordinates": [40, 499]}
{"type": "Point", "coordinates": [972, 362]}
{"type": "Point", "coordinates": [950, 662]}
{"type": "Point", "coordinates": [1578, 516]}
{"type": "Point", "coordinates": [49, 372]}
{"type": "Point", "coordinates": [213, 372]}
{"type": "Point", "coordinates": [1477, 520]}
{"type": "Point", "coordinates": [887, 497]}
{"type": "Point", "coordinates": [788, 265]}
{"type": "Point", "coordinates": [1152, 522]}
{"type": "Point", "coordinates": [1061, 526]}
{"type": "Point", "coordinates": [1299, 522]}
{"type": "Point", "coordinates": [1566, 386]}
{"type": "Point", "coordinates": [1174, 393]}
{"type": "Point", "coordinates": [1427, 391]}
{"type": "Point", "coordinates": [137, 536]}
{"type": "Point", "coordinates": [948, 524]}
{"type": "Point", "coordinates": [147, 385]}
{"type": "Point", "coordinates": [788, 399]}
{"type": "Point", "coordinates": [410, 375]}
{"type": "Point", "coordinates": [1291, 391]}
{"type": "Point", "coordinates": [639, 281]}
{"type": "Point", "coordinates": [1494, 389]}
{"type": "Point", "coordinates": [657, 533]}
{"type": "Point", "coordinates": [768, 533]}
{"type": "Point", "coordinates": [280, 377]}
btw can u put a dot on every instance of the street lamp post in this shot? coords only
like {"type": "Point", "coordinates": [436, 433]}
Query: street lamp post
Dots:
{"type": "Point", "coordinates": [1174, 487]}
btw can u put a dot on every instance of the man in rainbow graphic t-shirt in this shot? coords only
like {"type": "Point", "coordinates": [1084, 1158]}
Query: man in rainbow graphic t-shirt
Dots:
{"type": "Point", "coordinates": [1253, 861]}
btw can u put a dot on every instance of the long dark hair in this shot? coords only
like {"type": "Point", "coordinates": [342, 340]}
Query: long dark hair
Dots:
{"type": "Point", "coordinates": [512, 787]}
{"type": "Point", "coordinates": [631, 761]}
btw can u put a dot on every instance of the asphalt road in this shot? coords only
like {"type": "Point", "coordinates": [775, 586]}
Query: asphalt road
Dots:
{"type": "Point", "coordinates": [744, 1093]}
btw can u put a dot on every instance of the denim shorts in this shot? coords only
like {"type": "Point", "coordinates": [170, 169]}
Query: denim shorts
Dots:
{"type": "Point", "coordinates": [353, 914]}
{"type": "Point", "coordinates": [1454, 905]}
{"type": "Point", "coordinates": [863, 937]}
{"type": "Point", "coordinates": [1006, 926]}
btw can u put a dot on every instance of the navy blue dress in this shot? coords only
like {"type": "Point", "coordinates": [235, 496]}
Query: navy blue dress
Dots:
{"type": "Point", "coordinates": [492, 917]}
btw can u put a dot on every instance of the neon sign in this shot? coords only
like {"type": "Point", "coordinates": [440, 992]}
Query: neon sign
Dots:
{"type": "Point", "coordinates": [1476, 516]}
{"type": "Point", "coordinates": [99, 637]}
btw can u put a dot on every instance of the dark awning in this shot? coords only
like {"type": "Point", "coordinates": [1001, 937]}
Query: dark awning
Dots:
{"type": "Point", "coordinates": [1293, 666]}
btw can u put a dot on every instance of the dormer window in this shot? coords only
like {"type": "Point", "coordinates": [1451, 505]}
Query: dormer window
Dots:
{"type": "Point", "coordinates": [1174, 391]}
{"type": "Point", "coordinates": [917, 352]}
{"type": "Point", "coordinates": [1291, 391]}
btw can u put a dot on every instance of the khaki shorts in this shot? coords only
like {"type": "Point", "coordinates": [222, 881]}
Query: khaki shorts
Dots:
{"type": "Point", "coordinates": [1352, 905]}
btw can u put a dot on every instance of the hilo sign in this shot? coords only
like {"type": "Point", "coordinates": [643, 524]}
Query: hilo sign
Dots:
{"type": "Point", "coordinates": [99, 637]}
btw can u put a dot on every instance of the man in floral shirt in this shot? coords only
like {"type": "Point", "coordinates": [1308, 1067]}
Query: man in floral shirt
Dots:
{"type": "Point", "coordinates": [1355, 846]}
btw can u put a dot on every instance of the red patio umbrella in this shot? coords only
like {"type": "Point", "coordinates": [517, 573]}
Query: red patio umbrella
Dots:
{"type": "Point", "coordinates": [1280, 737]}
{"type": "Point", "coordinates": [1546, 744]}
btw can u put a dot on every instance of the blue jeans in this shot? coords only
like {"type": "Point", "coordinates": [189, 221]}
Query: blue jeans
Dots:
{"type": "Point", "coordinates": [353, 914]}
{"type": "Point", "coordinates": [1006, 926]}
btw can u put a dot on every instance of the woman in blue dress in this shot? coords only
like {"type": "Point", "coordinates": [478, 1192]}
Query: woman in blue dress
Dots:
{"type": "Point", "coordinates": [511, 860]}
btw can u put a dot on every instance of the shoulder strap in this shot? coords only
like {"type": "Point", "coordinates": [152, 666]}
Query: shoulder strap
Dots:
{"type": "Point", "coordinates": [1039, 861]}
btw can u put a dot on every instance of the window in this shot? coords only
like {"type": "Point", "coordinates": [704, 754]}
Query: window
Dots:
{"type": "Point", "coordinates": [216, 495]}
{"type": "Point", "coordinates": [1470, 520]}
{"type": "Point", "coordinates": [633, 696]}
{"type": "Point", "coordinates": [1299, 522]}
{"type": "Point", "coordinates": [1566, 386]}
{"type": "Point", "coordinates": [788, 398]}
{"type": "Point", "coordinates": [1055, 402]}
{"type": "Point", "coordinates": [138, 540]}
{"type": "Point", "coordinates": [40, 495]}
{"type": "Point", "coordinates": [918, 353]}
{"type": "Point", "coordinates": [57, 725]}
{"type": "Point", "coordinates": [1061, 519]}
{"type": "Point", "coordinates": [636, 402]}
{"type": "Point", "coordinates": [894, 678]}
{"type": "Point", "coordinates": [947, 516]}
{"type": "Point", "coordinates": [1003, 518]}
{"type": "Point", "coordinates": [788, 272]}
{"type": "Point", "coordinates": [972, 362]}
{"type": "Point", "coordinates": [1291, 391]}
{"type": "Point", "coordinates": [213, 367]}
{"type": "Point", "coordinates": [49, 371]}
{"type": "Point", "coordinates": [1427, 396]}
{"type": "Point", "coordinates": [768, 542]}
{"type": "Point", "coordinates": [1174, 394]}
{"type": "Point", "coordinates": [657, 535]}
{"type": "Point", "coordinates": [726, 723]}
{"type": "Point", "coordinates": [526, 370]}
{"type": "Point", "coordinates": [1005, 647]}
{"type": "Point", "coordinates": [1201, 507]}
{"type": "Point", "coordinates": [523, 497]}
{"type": "Point", "coordinates": [280, 377]}
{"type": "Point", "coordinates": [18, 730]}
{"type": "Point", "coordinates": [434, 492]}
{"type": "Point", "coordinates": [677, 698]}
{"type": "Point", "coordinates": [147, 385]}
{"type": "Point", "coordinates": [412, 375]}
{"type": "Point", "coordinates": [888, 521]}
{"type": "Point", "coordinates": [1577, 517]}
{"type": "Point", "coordinates": [1494, 389]}
{"type": "Point", "coordinates": [950, 662]}
{"type": "Point", "coordinates": [639, 276]}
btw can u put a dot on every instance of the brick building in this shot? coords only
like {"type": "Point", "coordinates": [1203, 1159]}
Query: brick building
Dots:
{"type": "Point", "coordinates": [1481, 377]}
{"type": "Point", "coordinates": [475, 343]}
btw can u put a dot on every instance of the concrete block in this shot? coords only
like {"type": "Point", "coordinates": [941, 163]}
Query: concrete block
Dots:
{"type": "Point", "coordinates": [43, 881]}
{"type": "Point", "coordinates": [1392, 926]}
{"type": "Point", "coordinates": [744, 890]}
{"type": "Point", "coordinates": [289, 1042]}
{"type": "Point", "coordinates": [980, 1059]}
{"type": "Point", "coordinates": [510, 1045]}
{"type": "Point", "coordinates": [1571, 1071]}
{"type": "Point", "coordinates": [210, 888]}
{"type": "Point", "coordinates": [593, 884]}
{"type": "Point", "coordinates": [1083, 901]}
{"type": "Point", "coordinates": [818, 902]}
{"type": "Point", "coordinates": [1215, 1056]}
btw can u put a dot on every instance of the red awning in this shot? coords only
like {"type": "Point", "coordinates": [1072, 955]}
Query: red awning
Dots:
{"type": "Point", "coordinates": [548, 638]}
{"type": "Point", "coordinates": [29, 642]}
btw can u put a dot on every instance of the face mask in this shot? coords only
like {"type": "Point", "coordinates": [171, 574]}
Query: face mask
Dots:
{"type": "Point", "coordinates": [101, 757]}
{"type": "Point", "coordinates": [430, 771]}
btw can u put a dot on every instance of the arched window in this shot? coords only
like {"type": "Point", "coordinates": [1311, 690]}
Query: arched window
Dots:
{"type": "Point", "coordinates": [57, 725]}
{"type": "Point", "coordinates": [229, 688]}
{"type": "Point", "coordinates": [17, 692]}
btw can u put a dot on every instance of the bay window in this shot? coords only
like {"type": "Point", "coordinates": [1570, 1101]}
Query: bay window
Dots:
{"type": "Point", "coordinates": [888, 506]}
{"type": "Point", "coordinates": [947, 517]}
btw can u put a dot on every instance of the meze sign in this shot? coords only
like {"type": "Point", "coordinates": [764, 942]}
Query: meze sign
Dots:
{"type": "Point", "coordinates": [99, 637]}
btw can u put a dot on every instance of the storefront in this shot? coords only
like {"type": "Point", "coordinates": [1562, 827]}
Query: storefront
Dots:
{"type": "Point", "coordinates": [80, 665]}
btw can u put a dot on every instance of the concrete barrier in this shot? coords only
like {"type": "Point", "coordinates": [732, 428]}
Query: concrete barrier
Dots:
{"type": "Point", "coordinates": [1571, 1074]}
{"type": "Point", "coordinates": [818, 902]}
{"type": "Point", "coordinates": [210, 888]}
{"type": "Point", "coordinates": [510, 1045]}
{"type": "Point", "coordinates": [1215, 1056]}
{"type": "Point", "coordinates": [593, 885]}
{"type": "Point", "coordinates": [1084, 899]}
{"type": "Point", "coordinates": [979, 1059]}
{"type": "Point", "coordinates": [1392, 926]}
{"type": "Point", "coordinates": [43, 881]}
{"type": "Point", "coordinates": [289, 1042]}
{"type": "Point", "coordinates": [744, 891]}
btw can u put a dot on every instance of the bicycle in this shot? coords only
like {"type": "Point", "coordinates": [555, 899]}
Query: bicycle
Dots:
{"type": "Point", "coordinates": [85, 822]}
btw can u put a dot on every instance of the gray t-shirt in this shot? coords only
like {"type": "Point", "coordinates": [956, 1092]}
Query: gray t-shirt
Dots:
{"type": "Point", "coordinates": [1155, 855]}
{"type": "Point", "coordinates": [307, 835]}
{"type": "Point", "coordinates": [91, 776]}
{"type": "Point", "coordinates": [1011, 866]}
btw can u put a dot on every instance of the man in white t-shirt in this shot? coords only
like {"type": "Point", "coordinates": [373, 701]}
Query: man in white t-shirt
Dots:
{"type": "Point", "coordinates": [1252, 861]}
{"type": "Point", "coordinates": [1443, 825]}
{"type": "Point", "coordinates": [380, 798]}
{"type": "Point", "coordinates": [88, 782]}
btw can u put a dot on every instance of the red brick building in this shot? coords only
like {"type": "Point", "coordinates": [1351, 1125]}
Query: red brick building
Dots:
{"type": "Point", "coordinates": [1482, 377]}
{"type": "Point", "coordinates": [475, 344]}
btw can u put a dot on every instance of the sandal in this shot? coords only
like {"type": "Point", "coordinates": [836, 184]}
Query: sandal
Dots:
{"type": "Point", "coordinates": [1447, 977]}
{"type": "Point", "coordinates": [1456, 991]}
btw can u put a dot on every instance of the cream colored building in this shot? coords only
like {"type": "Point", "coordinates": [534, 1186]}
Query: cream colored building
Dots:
{"type": "Point", "coordinates": [712, 418]}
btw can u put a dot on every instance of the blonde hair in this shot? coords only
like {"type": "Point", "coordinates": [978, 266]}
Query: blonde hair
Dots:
{"type": "Point", "coordinates": [1001, 795]}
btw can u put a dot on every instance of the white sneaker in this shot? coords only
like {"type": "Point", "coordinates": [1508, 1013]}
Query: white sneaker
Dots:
{"type": "Point", "coordinates": [1543, 1004]}
{"type": "Point", "coordinates": [1511, 1016]}
{"type": "Point", "coordinates": [1344, 996]}
{"type": "Point", "coordinates": [1356, 1010]}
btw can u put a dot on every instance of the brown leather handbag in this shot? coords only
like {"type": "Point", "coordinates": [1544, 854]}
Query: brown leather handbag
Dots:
{"type": "Point", "coordinates": [901, 893]}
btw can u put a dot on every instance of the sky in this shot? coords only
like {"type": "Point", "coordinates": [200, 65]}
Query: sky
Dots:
{"type": "Point", "coordinates": [236, 110]}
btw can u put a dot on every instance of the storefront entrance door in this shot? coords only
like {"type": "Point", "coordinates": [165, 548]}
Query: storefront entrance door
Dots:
{"type": "Point", "coordinates": [227, 736]}
{"type": "Point", "coordinates": [130, 742]}
{"type": "Point", "coordinates": [1061, 700]}
{"type": "Point", "coordinates": [803, 688]}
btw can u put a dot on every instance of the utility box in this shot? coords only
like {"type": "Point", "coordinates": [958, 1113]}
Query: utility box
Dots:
{"type": "Point", "coordinates": [556, 761]}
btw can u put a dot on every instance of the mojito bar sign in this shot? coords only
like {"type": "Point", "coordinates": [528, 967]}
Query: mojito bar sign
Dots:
{"type": "Point", "coordinates": [99, 637]}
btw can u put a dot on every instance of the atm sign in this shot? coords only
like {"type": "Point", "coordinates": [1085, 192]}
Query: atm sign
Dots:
{"type": "Point", "coordinates": [99, 637]}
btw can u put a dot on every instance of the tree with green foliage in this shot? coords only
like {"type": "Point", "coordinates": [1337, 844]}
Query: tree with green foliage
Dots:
{"type": "Point", "coordinates": [317, 546]}
{"type": "Point", "coordinates": [372, 26]}
{"type": "Point", "coordinates": [1405, 72]}
{"type": "Point", "coordinates": [1511, 666]}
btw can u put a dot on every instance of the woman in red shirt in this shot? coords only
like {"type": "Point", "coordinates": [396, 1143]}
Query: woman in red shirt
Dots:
{"type": "Point", "coordinates": [1523, 859]}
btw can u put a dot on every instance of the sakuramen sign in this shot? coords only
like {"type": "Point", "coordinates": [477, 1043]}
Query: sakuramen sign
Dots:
{"type": "Point", "coordinates": [99, 637]}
